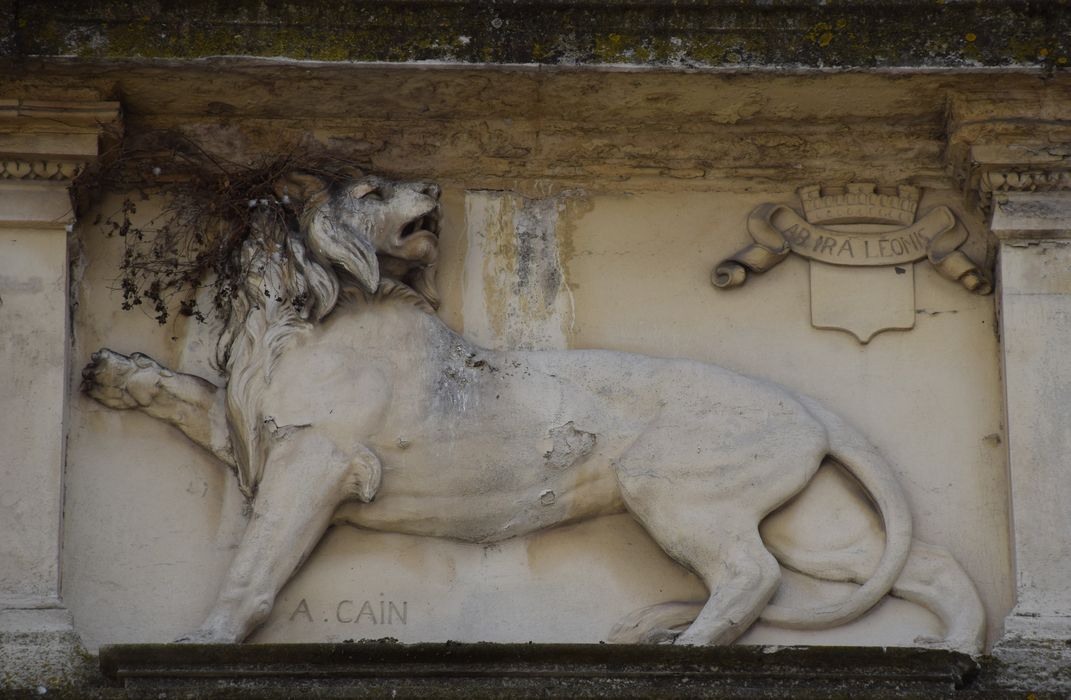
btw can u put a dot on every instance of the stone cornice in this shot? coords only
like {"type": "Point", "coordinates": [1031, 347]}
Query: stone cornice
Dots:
{"type": "Point", "coordinates": [1024, 188]}
{"type": "Point", "coordinates": [675, 33]}
{"type": "Point", "coordinates": [1031, 216]}
{"type": "Point", "coordinates": [465, 670]}
{"type": "Point", "coordinates": [527, 129]}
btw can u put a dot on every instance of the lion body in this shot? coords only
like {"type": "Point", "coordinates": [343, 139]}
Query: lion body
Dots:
{"type": "Point", "coordinates": [466, 436]}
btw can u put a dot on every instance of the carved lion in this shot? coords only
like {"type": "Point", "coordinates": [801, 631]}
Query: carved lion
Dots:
{"type": "Point", "coordinates": [349, 401]}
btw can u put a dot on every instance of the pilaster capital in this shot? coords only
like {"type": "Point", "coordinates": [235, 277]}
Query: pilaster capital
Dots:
{"type": "Point", "coordinates": [33, 130]}
{"type": "Point", "coordinates": [1012, 156]}
{"type": "Point", "coordinates": [1025, 190]}
{"type": "Point", "coordinates": [43, 147]}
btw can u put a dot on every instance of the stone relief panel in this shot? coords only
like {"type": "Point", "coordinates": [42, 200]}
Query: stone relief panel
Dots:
{"type": "Point", "coordinates": [363, 408]}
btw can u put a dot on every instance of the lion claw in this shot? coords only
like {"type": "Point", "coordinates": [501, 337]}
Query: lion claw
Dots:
{"type": "Point", "coordinates": [119, 381]}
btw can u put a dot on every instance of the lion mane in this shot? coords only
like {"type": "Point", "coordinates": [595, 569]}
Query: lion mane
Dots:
{"type": "Point", "coordinates": [295, 269]}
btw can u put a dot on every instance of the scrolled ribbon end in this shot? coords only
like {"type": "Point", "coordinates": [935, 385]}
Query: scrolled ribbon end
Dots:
{"type": "Point", "coordinates": [728, 274]}
{"type": "Point", "coordinates": [976, 283]}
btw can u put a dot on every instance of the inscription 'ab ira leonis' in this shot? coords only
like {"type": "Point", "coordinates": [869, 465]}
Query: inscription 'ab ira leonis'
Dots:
{"type": "Point", "coordinates": [908, 245]}
{"type": "Point", "coordinates": [901, 239]}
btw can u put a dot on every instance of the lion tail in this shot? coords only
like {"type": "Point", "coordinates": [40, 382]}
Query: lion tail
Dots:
{"type": "Point", "coordinates": [862, 461]}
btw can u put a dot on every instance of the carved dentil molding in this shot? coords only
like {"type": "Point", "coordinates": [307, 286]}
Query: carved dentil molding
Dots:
{"type": "Point", "coordinates": [987, 169]}
{"type": "Point", "coordinates": [1023, 181]}
{"type": "Point", "coordinates": [994, 181]}
{"type": "Point", "coordinates": [38, 169]}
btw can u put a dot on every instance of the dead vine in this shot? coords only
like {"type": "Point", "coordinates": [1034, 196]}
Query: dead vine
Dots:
{"type": "Point", "coordinates": [211, 207]}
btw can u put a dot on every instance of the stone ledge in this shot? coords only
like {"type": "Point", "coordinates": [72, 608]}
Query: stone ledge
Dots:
{"type": "Point", "coordinates": [1027, 664]}
{"type": "Point", "coordinates": [523, 670]}
{"type": "Point", "coordinates": [1032, 215]}
{"type": "Point", "coordinates": [689, 34]}
{"type": "Point", "coordinates": [39, 648]}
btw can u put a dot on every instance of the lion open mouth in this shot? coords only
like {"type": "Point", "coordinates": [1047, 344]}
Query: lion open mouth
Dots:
{"type": "Point", "coordinates": [417, 240]}
{"type": "Point", "coordinates": [428, 223]}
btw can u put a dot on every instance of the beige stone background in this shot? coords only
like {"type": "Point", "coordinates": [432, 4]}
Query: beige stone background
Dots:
{"type": "Point", "coordinates": [151, 520]}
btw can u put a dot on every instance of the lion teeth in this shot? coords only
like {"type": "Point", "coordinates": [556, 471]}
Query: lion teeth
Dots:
{"type": "Point", "coordinates": [428, 223]}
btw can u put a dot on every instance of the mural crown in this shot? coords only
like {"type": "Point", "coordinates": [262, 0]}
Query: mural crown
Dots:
{"type": "Point", "coordinates": [860, 202]}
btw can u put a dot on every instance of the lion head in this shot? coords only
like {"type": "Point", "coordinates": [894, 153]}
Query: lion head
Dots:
{"type": "Point", "coordinates": [358, 231]}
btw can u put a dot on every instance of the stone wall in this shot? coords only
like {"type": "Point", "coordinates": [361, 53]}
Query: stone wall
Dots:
{"type": "Point", "coordinates": [581, 208]}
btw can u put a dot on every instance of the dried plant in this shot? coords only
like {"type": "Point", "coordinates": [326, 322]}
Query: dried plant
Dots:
{"type": "Point", "coordinates": [211, 207]}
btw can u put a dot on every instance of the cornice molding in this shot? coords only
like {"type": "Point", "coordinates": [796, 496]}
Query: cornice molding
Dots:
{"type": "Point", "coordinates": [991, 169]}
{"type": "Point", "coordinates": [996, 181]}
{"type": "Point", "coordinates": [37, 169]}
{"type": "Point", "coordinates": [1025, 180]}
{"type": "Point", "coordinates": [57, 117]}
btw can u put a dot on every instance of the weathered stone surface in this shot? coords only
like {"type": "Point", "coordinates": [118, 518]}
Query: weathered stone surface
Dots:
{"type": "Point", "coordinates": [1029, 664]}
{"type": "Point", "coordinates": [691, 34]}
{"type": "Point", "coordinates": [381, 669]}
{"type": "Point", "coordinates": [40, 649]}
{"type": "Point", "coordinates": [1035, 305]}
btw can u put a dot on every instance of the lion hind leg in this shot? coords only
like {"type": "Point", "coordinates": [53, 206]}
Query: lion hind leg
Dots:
{"type": "Point", "coordinates": [721, 544]}
{"type": "Point", "coordinates": [741, 576]}
{"type": "Point", "coordinates": [702, 500]}
{"type": "Point", "coordinates": [656, 624]}
{"type": "Point", "coordinates": [306, 478]}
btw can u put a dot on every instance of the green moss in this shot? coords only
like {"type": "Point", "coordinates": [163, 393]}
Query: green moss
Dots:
{"type": "Point", "coordinates": [843, 33]}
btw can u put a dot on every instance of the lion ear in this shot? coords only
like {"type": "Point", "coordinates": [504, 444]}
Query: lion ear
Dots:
{"type": "Point", "coordinates": [351, 172]}
{"type": "Point", "coordinates": [361, 189]}
{"type": "Point", "coordinates": [300, 189]}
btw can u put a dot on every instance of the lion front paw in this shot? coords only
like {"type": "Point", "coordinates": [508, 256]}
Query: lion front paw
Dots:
{"type": "Point", "coordinates": [119, 381]}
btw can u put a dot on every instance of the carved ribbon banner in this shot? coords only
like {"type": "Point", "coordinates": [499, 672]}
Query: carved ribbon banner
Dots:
{"type": "Point", "coordinates": [779, 230]}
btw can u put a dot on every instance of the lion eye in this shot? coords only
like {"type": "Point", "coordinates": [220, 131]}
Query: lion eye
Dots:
{"type": "Point", "coordinates": [365, 190]}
